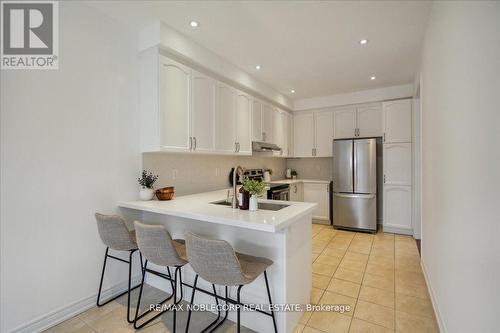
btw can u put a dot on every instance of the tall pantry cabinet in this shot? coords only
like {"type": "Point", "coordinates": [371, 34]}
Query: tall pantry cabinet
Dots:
{"type": "Point", "coordinates": [397, 178]}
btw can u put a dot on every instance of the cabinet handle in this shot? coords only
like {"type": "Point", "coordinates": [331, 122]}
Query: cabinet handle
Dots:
{"type": "Point", "coordinates": [194, 143]}
{"type": "Point", "coordinates": [384, 136]}
{"type": "Point", "coordinates": [238, 147]}
{"type": "Point", "coordinates": [384, 178]}
{"type": "Point", "coordinates": [295, 189]}
{"type": "Point", "coordinates": [190, 142]}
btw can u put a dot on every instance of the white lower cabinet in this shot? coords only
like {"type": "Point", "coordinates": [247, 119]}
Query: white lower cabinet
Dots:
{"type": "Point", "coordinates": [297, 192]}
{"type": "Point", "coordinates": [397, 164]}
{"type": "Point", "coordinates": [318, 193]}
{"type": "Point", "coordinates": [397, 209]}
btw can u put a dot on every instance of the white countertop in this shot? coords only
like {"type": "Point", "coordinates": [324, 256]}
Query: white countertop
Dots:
{"type": "Point", "coordinates": [294, 181]}
{"type": "Point", "coordinates": [199, 207]}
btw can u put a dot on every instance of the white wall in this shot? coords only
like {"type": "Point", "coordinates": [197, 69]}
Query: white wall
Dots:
{"type": "Point", "coordinates": [461, 161]}
{"type": "Point", "coordinates": [69, 147]}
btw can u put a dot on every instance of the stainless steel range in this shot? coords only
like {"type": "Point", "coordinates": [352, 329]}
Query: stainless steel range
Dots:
{"type": "Point", "coordinates": [274, 191]}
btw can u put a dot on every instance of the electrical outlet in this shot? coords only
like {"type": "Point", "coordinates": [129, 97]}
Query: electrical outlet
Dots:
{"type": "Point", "coordinates": [175, 172]}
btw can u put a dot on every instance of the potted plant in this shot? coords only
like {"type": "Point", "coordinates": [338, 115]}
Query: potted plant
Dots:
{"type": "Point", "coordinates": [255, 188]}
{"type": "Point", "coordinates": [294, 174]}
{"type": "Point", "coordinates": [146, 181]}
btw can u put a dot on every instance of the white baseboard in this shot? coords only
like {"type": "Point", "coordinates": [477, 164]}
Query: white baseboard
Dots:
{"type": "Point", "coordinates": [69, 311]}
{"type": "Point", "coordinates": [442, 327]}
{"type": "Point", "coordinates": [397, 230]}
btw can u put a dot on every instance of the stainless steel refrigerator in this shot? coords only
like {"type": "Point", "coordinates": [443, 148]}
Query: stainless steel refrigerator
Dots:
{"type": "Point", "coordinates": [355, 184]}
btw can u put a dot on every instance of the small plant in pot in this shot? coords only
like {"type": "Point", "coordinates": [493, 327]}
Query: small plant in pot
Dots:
{"type": "Point", "coordinates": [146, 181]}
{"type": "Point", "coordinates": [255, 188]}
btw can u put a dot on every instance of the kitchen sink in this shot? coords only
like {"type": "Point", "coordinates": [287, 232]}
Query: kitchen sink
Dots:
{"type": "Point", "coordinates": [260, 205]}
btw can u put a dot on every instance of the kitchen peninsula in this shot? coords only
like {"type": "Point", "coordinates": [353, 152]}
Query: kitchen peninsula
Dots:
{"type": "Point", "coordinates": [281, 232]}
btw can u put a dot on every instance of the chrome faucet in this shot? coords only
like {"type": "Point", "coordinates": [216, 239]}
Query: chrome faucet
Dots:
{"type": "Point", "coordinates": [238, 171]}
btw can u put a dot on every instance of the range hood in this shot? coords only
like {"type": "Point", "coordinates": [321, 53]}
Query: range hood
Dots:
{"type": "Point", "coordinates": [264, 146]}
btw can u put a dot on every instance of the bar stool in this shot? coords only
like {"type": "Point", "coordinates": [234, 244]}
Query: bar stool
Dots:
{"type": "Point", "coordinates": [157, 246]}
{"type": "Point", "coordinates": [217, 262]}
{"type": "Point", "coordinates": [116, 236]}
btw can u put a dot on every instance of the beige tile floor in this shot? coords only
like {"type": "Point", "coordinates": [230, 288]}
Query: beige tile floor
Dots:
{"type": "Point", "coordinates": [379, 276]}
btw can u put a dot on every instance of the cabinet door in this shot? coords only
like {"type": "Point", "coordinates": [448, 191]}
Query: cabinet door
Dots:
{"type": "Point", "coordinates": [285, 134]}
{"type": "Point", "coordinates": [203, 112]}
{"type": "Point", "coordinates": [256, 120]}
{"type": "Point", "coordinates": [243, 124]}
{"type": "Point", "coordinates": [323, 125]}
{"type": "Point", "coordinates": [297, 192]}
{"type": "Point", "coordinates": [397, 207]}
{"type": "Point", "coordinates": [397, 121]}
{"type": "Point", "coordinates": [369, 121]}
{"type": "Point", "coordinates": [344, 122]}
{"type": "Point", "coordinates": [303, 135]}
{"type": "Point", "coordinates": [225, 119]}
{"type": "Point", "coordinates": [397, 164]}
{"type": "Point", "coordinates": [318, 193]}
{"type": "Point", "coordinates": [267, 123]}
{"type": "Point", "coordinates": [175, 83]}
{"type": "Point", "coordinates": [277, 131]}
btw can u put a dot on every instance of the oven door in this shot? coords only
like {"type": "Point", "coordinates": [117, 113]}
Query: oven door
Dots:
{"type": "Point", "coordinates": [279, 193]}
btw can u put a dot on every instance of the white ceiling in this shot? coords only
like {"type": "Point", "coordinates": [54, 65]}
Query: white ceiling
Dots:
{"type": "Point", "coordinates": [309, 46]}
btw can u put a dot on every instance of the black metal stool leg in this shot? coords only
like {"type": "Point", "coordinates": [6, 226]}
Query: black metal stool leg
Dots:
{"type": "Point", "coordinates": [225, 316]}
{"type": "Point", "coordinates": [218, 313]}
{"type": "Point", "coordinates": [102, 277]}
{"type": "Point", "coordinates": [238, 309]}
{"type": "Point", "coordinates": [191, 302]}
{"type": "Point", "coordinates": [270, 302]}
{"type": "Point", "coordinates": [129, 285]}
{"type": "Point", "coordinates": [137, 316]}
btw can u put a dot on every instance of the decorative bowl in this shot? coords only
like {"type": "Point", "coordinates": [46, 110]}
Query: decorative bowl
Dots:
{"type": "Point", "coordinates": [165, 193]}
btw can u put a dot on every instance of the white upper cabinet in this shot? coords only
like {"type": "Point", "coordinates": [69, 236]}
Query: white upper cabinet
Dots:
{"type": "Point", "coordinates": [175, 83]}
{"type": "Point", "coordinates": [344, 123]}
{"type": "Point", "coordinates": [323, 128]}
{"type": "Point", "coordinates": [369, 121]}
{"type": "Point", "coordinates": [225, 119]}
{"type": "Point", "coordinates": [243, 122]}
{"type": "Point", "coordinates": [397, 121]}
{"type": "Point", "coordinates": [303, 134]}
{"type": "Point", "coordinates": [256, 120]}
{"type": "Point", "coordinates": [285, 134]}
{"type": "Point", "coordinates": [203, 91]}
{"type": "Point", "coordinates": [267, 123]}
{"type": "Point", "coordinates": [397, 164]}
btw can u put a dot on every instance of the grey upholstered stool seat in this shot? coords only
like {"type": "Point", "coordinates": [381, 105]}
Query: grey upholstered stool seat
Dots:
{"type": "Point", "coordinates": [158, 247]}
{"type": "Point", "coordinates": [116, 236]}
{"type": "Point", "coordinates": [216, 262]}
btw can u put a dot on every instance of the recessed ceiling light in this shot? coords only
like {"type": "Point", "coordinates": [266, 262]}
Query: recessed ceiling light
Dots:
{"type": "Point", "coordinates": [372, 78]}
{"type": "Point", "coordinates": [363, 41]}
{"type": "Point", "coordinates": [194, 24]}
{"type": "Point", "coordinates": [257, 67]}
{"type": "Point", "coordinates": [292, 91]}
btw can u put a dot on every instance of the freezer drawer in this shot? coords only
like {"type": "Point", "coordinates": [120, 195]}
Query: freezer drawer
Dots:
{"type": "Point", "coordinates": [357, 211]}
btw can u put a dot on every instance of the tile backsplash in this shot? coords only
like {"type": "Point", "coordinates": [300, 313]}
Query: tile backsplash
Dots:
{"type": "Point", "coordinates": [318, 168]}
{"type": "Point", "coordinates": [191, 173]}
